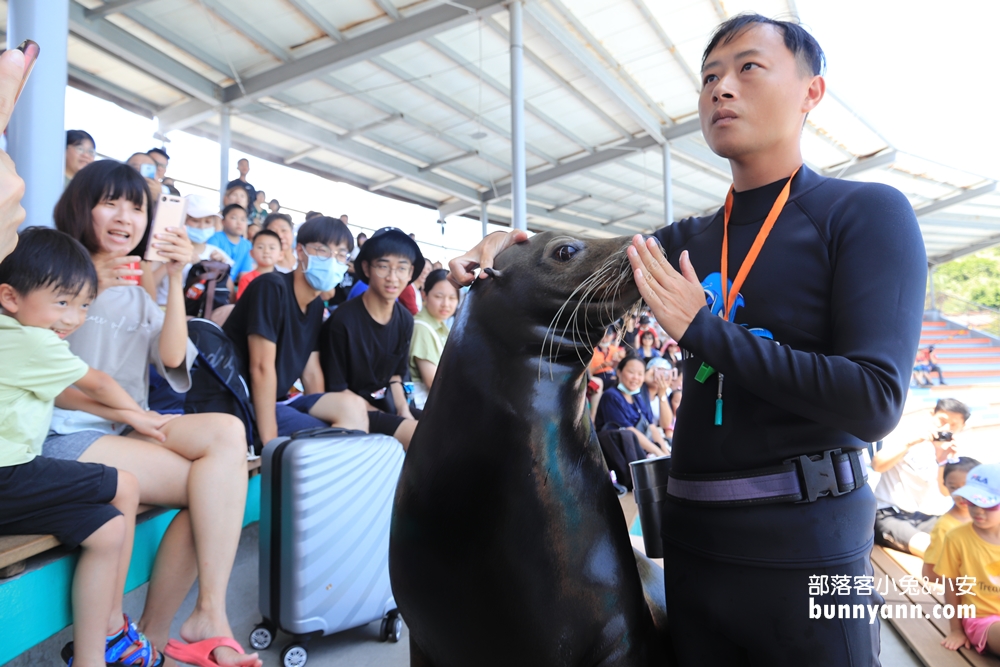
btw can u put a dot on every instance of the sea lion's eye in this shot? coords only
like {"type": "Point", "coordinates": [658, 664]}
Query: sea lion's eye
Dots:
{"type": "Point", "coordinates": [564, 253]}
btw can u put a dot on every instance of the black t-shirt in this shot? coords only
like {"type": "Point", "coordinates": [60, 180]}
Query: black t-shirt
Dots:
{"type": "Point", "coordinates": [268, 308]}
{"type": "Point", "coordinates": [818, 356]}
{"type": "Point", "coordinates": [358, 353]}
{"type": "Point", "coordinates": [251, 190]}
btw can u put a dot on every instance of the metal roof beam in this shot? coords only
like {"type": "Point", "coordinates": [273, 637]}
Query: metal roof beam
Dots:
{"type": "Point", "coordinates": [246, 29]}
{"type": "Point", "coordinates": [964, 195]}
{"type": "Point", "coordinates": [138, 53]}
{"type": "Point", "coordinates": [455, 57]}
{"type": "Point", "coordinates": [988, 242]}
{"type": "Point", "coordinates": [360, 48]}
{"type": "Point", "coordinates": [667, 42]}
{"type": "Point", "coordinates": [447, 161]}
{"type": "Point", "coordinates": [321, 21]}
{"type": "Point", "coordinates": [574, 166]}
{"type": "Point", "coordinates": [566, 85]}
{"type": "Point", "coordinates": [549, 28]}
{"type": "Point", "coordinates": [305, 131]}
{"type": "Point", "coordinates": [864, 164]}
{"type": "Point", "coordinates": [185, 115]}
{"type": "Point", "coordinates": [113, 7]}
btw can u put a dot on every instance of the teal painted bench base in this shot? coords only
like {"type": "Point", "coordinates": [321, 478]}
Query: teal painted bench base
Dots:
{"type": "Point", "coordinates": [36, 605]}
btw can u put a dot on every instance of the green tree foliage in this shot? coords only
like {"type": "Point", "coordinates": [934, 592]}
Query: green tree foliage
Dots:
{"type": "Point", "coordinates": [973, 277]}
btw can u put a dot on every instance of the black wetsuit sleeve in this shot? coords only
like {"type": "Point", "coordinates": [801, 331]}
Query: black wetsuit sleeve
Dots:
{"type": "Point", "coordinates": [876, 307]}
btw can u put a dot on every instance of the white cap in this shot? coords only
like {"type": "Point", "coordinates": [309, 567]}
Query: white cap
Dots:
{"type": "Point", "coordinates": [201, 206]}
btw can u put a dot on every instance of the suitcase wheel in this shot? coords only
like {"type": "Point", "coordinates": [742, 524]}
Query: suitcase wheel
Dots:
{"type": "Point", "coordinates": [262, 636]}
{"type": "Point", "coordinates": [294, 655]}
{"type": "Point", "coordinates": [392, 627]}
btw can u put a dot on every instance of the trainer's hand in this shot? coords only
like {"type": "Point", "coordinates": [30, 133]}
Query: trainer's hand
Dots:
{"type": "Point", "coordinates": [11, 185]}
{"type": "Point", "coordinates": [461, 268]}
{"type": "Point", "coordinates": [674, 298]}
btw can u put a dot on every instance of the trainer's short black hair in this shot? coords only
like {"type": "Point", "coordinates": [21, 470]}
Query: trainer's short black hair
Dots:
{"type": "Point", "coordinates": [265, 233]}
{"type": "Point", "coordinates": [158, 150]}
{"type": "Point", "coordinates": [798, 40]}
{"type": "Point", "coordinates": [232, 207]}
{"type": "Point", "coordinates": [45, 257]}
{"type": "Point", "coordinates": [953, 405]}
{"type": "Point", "coordinates": [964, 464]}
{"type": "Point", "coordinates": [97, 182]}
{"type": "Point", "coordinates": [77, 137]}
{"type": "Point", "coordinates": [325, 230]}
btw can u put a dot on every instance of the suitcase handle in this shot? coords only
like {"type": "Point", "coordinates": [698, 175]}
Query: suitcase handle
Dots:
{"type": "Point", "coordinates": [325, 431]}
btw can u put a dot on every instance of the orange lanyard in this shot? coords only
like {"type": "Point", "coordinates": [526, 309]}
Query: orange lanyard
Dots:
{"type": "Point", "coordinates": [729, 296]}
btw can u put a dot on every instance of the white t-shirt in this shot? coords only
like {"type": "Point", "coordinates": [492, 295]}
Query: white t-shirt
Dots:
{"type": "Point", "coordinates": [206, 253]}
{"type": "Point", "coordinates": [911, 485]}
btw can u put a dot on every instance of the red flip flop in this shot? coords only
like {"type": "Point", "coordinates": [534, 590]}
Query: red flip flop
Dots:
{"type": "Point", "coordinates": [199, 653]}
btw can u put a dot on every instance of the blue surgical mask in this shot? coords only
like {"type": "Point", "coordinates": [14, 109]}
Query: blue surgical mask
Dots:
{"type": "Point", "coordinates": [623, 390]}
{"type": "Point", "coordinates": [324, 273]}
{"type": "Point", "coordinates": [200, 235]}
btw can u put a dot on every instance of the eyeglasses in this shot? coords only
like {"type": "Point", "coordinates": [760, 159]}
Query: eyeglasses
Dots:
{"type": "Point", "coordinates": [82, 150]}
{"type": "Point", "coordinates": [320, 250]}
{"type": "Point", "coordinates": [383, 270]}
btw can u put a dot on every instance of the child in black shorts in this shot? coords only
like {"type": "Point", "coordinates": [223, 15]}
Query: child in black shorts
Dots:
{"type": "Point", "coordinates": [46, 285]}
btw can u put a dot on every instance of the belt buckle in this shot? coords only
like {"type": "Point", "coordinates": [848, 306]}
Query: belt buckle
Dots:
{"type": "Point", "coordinates": [819, 477]}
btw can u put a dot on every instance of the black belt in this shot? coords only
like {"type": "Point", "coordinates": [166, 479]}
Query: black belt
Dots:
{"type": "Point", "coordinates": [802, 479]}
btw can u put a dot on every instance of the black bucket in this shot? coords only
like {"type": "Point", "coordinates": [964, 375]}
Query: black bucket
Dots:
{"type": "Point", "coordinates": [649, 485]}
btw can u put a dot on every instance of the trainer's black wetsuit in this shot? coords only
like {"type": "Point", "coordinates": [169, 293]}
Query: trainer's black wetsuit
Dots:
{"type": "Point", "coordinates": [818, 356]}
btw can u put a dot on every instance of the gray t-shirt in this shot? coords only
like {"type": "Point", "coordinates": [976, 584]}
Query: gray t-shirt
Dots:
{"type": "Point", "coordinates": [122, 338]}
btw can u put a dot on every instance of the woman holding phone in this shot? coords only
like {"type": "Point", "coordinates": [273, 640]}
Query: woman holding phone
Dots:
{"type": "Point", "coordinates": [656, 391]}
{"type": "Point", "coordinates": [193, 462]}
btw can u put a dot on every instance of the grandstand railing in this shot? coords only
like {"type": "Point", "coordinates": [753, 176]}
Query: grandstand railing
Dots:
{"type": "Point", "coordinates": [974, 316]}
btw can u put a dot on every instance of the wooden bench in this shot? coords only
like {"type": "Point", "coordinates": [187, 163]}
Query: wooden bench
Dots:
{"type": "Point", "coordinates": [922, 635]}
{"type": "Point", "coordinates": [35, 601]}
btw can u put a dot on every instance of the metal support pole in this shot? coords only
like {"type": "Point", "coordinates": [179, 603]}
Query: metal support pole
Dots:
{"type": "Point", "coordinates": [36, 137]}
{"type": "Point", "coordinates": [484, 217]}
{"type": "Point", "coordinates": [668, 187]}
{"type": "Point", "coordinates": [933, 308]}
{"type": "Point", "coordinates": [519, 188]}
{"type": "Point", "coordinates": [224, 141]}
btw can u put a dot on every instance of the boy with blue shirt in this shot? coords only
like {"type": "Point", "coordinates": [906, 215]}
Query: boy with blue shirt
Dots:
{"type": "Point", "coordinates": [46, 285]}
{"type": "Point", "coordinates": [231, 239]}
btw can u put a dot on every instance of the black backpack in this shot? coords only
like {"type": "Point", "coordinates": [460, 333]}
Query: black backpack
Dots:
{"type": "Point", "coordinates": [216, 383]}
{"type": "Point", "coordinates": [205, 288]}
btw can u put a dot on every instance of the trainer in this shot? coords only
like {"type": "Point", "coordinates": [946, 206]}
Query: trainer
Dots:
{"type": "Point", "coordinates": [799, 358]}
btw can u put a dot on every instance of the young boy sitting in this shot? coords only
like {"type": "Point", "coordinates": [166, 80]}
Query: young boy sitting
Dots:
{"type": "Point", "coordinates": [266, 251]}
{"type": "Point", "coordinates": [46, 285]}
{"type": "Point", "coordinates": [365, 345]}
{"type": "Point", "coordinates": [231, 241]}
{"type": "Point", "coordinates": [954, 479]}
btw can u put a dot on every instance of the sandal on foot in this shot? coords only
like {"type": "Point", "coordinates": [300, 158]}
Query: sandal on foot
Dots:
{"type": "Point", "coordinates": [126, 647]}
{"type": "Point", "coordinates": [199, 653]}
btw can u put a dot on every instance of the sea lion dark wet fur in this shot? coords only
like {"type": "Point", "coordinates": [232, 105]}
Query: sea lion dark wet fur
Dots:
{"type": "Point", "coordinates": [508, 545]}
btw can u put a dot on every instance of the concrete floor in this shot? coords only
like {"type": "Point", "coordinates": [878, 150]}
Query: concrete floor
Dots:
{"type": "Point", "coordinates": [355, 648]}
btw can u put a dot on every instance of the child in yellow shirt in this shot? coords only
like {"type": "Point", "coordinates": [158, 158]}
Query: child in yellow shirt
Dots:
{"type": "Point", "coordinates": [970, 561]}
{"type": "Point", "coordinates": [954, 478]}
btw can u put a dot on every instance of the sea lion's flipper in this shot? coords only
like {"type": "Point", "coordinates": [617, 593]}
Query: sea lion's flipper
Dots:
{"type": "Point", "coordinates": [417, 657]}
{"type": "Point", "coordinates": [651, 575]}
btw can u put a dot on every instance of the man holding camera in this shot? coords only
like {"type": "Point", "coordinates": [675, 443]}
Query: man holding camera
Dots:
{"type": "Point", "coordinates": [911, 494]}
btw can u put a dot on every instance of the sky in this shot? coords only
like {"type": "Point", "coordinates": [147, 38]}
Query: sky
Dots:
{"type": "Point", "coordinates": [923, 73]}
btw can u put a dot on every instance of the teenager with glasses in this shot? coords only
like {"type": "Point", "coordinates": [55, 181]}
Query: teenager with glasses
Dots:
{"type": "Point", "coordinates": [80, 151]}
{"type": "Point", "coordinates": [365, 345]}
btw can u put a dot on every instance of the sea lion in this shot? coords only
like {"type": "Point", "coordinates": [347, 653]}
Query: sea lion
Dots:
{"type": "Point", "coordinates": [508, 545]}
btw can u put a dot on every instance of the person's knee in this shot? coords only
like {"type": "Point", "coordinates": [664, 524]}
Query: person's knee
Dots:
{"type": "Point", "coordinates": [109, 538]}
{"type": "Point", "coordinates": [127, 495]}
{"type": "Point", "coordinates": [228, 437]}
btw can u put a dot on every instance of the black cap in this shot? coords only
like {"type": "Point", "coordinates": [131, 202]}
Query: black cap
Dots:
{"type": "Point", "coordinates": [373, 246]}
